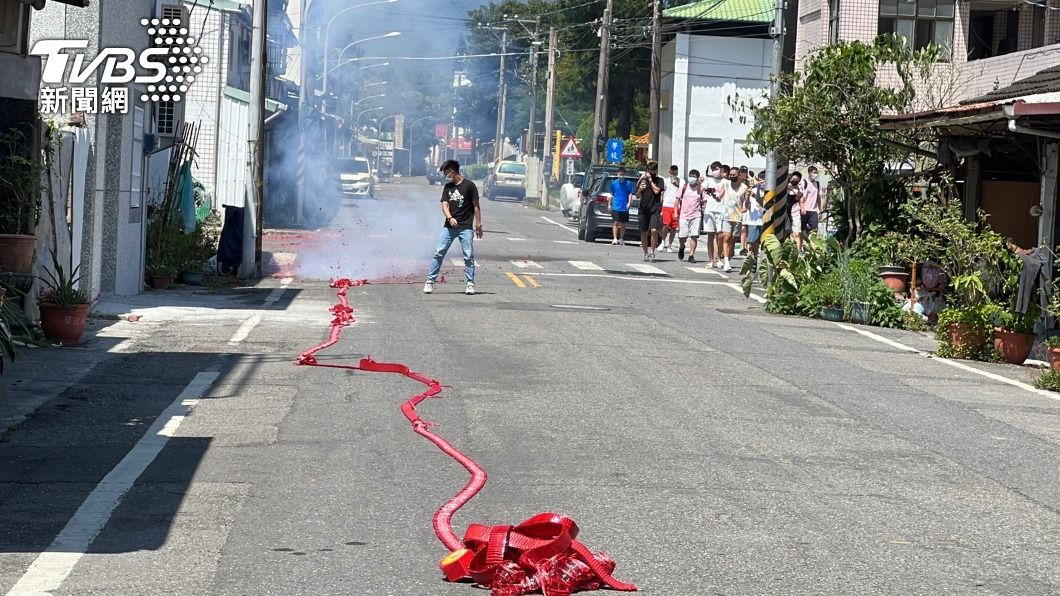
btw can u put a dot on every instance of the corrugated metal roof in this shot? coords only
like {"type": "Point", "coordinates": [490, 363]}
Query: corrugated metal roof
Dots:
{"type": "Point", "coordinates": [746, 11]}
{"type": "Point", "coordinates": [1043, 81]}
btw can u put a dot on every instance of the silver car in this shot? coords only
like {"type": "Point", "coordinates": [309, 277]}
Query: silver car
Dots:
{"type": "Point", "coordinates": [507, 180]}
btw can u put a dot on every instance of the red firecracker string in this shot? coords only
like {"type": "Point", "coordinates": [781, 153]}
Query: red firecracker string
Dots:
{"type": "Point", "coordinates": [539, 555]}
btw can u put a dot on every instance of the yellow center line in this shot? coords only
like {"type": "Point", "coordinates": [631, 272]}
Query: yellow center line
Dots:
{"type": "Point", "coordinates": [515, 279]}
{"type": "Point", "coordinates": [530, 280]}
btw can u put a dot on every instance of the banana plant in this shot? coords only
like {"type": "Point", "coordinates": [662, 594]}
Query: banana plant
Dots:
{"type": "Point", "coordinates": [777, 275]}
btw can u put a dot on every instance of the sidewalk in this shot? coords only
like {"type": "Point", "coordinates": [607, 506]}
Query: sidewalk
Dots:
{"type": "Point", "coordinates": [115, 325]}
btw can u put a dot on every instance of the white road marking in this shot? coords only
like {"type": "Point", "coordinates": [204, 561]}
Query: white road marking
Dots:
{"type": "Point", "coordinates": [460, 262]}
{"type": "Point", "coordinates": [707, 271]}
{"type": "Point", "coordinates": [564, 242]}
{"type": "Point", "coordinates": [752, 296]}
{"type": "Point", "coordinates": [277, 293]}
{"type": "Point", "coordinates": [586, 265]}
{"type": "Point", "coordinates": [53, 566]}
{"type": "Point", "coordinates": [244, 330]}
{"type": "Point", "coordinates": [121, 347]}
{"type": "Point", "coordinates": [959, 365]}
{"type": "Point", "coordinates": [556, 223]}
{"type": "Point", "coordinates": [517, 239]}
{"type": "Point", "coordinates": [696, 282]}
{"type": "Point", "coordinates": [526, 265]}
{"type": "Point", "coordinates": [642, 268]}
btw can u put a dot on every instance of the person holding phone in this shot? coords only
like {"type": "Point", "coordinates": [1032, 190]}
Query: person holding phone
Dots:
{"type": "Point", "coordinates": [649, 191]}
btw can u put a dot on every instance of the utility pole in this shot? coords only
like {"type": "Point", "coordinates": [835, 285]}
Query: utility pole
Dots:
{"type": "Point", "coordinates": [656, 80]}
{"type": "Point", "coordinates": [255, 185]}
{"type": "Point", "coordinates": [600, 121]}
{"type": "Point", "coordinates": [305, 88]}
{"type": "Point", "coordinates": [531, 142]}
{"type": "Point", "coordinates": [550, 102]}
{"type": "Point", "coordinates": [776, 204]}
{"type": "Point", "coordinates": [502, 98]}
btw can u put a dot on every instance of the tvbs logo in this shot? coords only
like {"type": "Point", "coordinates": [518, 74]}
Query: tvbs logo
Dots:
{"type": "Point", "coordinates": [167, 70]}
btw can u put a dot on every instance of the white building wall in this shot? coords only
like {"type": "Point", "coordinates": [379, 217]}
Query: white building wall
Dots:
{"type": "Point", "coordinates": [233, 133]}
{"type": "Point", "coordinates": [708, 72]}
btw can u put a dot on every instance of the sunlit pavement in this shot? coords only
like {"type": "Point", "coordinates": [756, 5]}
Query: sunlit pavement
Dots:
{"type": "Point", "coordinates": [708, 447]}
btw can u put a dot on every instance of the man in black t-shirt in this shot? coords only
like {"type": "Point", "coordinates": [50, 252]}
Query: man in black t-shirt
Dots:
{"type": "Point", "coordinates": [460, 208]}
{"type": "Point", "coordinates": [649, 191]}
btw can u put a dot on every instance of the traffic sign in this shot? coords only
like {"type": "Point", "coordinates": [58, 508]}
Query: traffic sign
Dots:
{"type": "Point", "coordinates": [570, 167]}
{"type": "Point", "coordinates": [614, 150]}
{"type": "Point", "coordinates": [570, 150]}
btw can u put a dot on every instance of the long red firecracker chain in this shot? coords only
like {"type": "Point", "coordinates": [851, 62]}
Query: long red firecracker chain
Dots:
{"type": "Point", "coordinates": [540, 554]}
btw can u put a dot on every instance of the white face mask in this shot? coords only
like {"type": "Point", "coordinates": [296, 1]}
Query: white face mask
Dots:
{"type": "Point", "coordinates": [449, 177]}
{"type": "Point", "coordinates": [813, 176]}
{"type": "Point", "coordinates": [693, 180]}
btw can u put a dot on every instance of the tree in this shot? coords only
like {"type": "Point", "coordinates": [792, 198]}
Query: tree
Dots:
{"type": "Point", "coordinates": [830, 114]}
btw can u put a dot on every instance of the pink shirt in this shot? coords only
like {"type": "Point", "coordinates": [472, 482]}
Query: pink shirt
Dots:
{"type": "Point", "coordinates": [809, 195]}
{"type": "Point", "coordinates": [691, 202]}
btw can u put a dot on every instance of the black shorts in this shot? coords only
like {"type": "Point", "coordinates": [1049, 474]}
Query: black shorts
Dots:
{"type": "Point", "coordinates": [650, 221]}
{"type": "Point", "coordinates": [620, 216]}
{"type": "Point", "coordinates": [809, 221]}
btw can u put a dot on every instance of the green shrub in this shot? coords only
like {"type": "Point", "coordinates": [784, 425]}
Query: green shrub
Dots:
{"type": "Point", "coordinates": [886, 310]}
{"type": "Point", "coordinates": [979, 318]}
{"type": "Point", "coordinates": [1048, 380]}
{"type": "Point", "coordinates": [825, 291]}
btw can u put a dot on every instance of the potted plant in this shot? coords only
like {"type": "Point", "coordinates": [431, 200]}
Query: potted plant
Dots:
{"type": "Point", "coordinates": [63, 305]}
{"type": "Point", "coordinates": [823, 297]}
{"type": "Point", "coordinates": [20, 201]}
{"type": "Point", "coordinates": [162, 267]}
{"type": "Point", "coordinates": [858, 280]}
{"type": "Point", "coordinates": [1014, 335]}
{"type": "Point", "coordinates": [1052, 345]}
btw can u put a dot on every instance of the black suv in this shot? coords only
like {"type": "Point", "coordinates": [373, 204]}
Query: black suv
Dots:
{"type": "Point", "coordinates": [595, 214]}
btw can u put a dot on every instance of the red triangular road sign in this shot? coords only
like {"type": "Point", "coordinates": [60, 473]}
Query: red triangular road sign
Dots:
{"type": "Point", "coordinates": [570, 150]}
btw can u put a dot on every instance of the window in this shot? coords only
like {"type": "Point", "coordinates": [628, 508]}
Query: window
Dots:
{"type": "Point", "coordinates": [833, 21]}
{"type": "Point", "coordinates": [920, 22]}
{"type": "Point", "coordinates": [512, 168]}
{"type": "Point", "coordinates": [1038, 23]}
{"type": "Point", "coordinates": [166, 122]}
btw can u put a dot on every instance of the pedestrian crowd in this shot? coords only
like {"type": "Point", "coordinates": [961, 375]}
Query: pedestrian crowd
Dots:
{"type": "Point", "coordinates": [724, 205]}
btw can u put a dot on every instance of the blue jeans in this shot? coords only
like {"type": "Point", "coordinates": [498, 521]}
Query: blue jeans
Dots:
{"type": "Point", "coordinates": [445, 240]}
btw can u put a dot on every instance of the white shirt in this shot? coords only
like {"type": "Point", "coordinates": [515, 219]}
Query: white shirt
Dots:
{"type": "Point", "coordinates": [713, 205]}
{"type": "Point", "coordinates": [670, 193]}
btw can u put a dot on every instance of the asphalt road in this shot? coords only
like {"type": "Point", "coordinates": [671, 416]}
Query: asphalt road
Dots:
{"type": "Point", "coordinates": [708, 447]}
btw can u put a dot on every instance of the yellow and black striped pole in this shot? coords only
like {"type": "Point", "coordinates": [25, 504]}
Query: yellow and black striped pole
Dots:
{"type": "Point", "coordinates": [776, 220]}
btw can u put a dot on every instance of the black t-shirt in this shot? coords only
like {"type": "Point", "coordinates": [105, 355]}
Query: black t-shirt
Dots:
{"type": "Point", "coordinates": [462, 199]}
{"type": "Point", "coordinates": [649, 199]}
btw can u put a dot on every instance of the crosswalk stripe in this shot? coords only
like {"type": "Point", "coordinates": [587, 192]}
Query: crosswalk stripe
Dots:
{"type": "Point", "coordinates": [641, 267]}
{"type": "Point", "coordinates": [706, 270]}
{"type": "Point", "coordinates": [460, 262]}
{"type": "Point", "coordinates": [586, 265]}
{"type": "Point", "coordinates": [517, 239]}
{"type": "Point", "coordinates": [526, 265]}
{"type": "Point", "coordinates": [564, 242]}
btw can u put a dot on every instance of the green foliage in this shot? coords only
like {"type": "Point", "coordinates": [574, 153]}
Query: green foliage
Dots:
{"type": "Point", "coordinates": [913, 322]}
{"type": "Point", "coordinates": [1053, 341]}
{"type": "Point", "coordinates": [7, 339]}
{"type": "Point", "coordinates": [61, 289]}
{"type": "Point", "coordinates": [825, 291]}
{"type": "Point", "coordinates": [1048, 380]}
{"type": "Point", "coordinates": [886, 311]}
{"type": "Point", "coordinates": [977, 318]}
{"type": "Point", "coordinates": [831, 117]}
{"type": "Point", "coordinates": [21, 183]}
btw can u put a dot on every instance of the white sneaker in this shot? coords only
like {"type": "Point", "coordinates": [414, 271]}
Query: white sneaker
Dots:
{"type": "Point", "coordinates": [669, 248]}
{"type": "Point", "coordinates": [728, 267]}
{"type": "Point", "coordinates": [470, 291]}
{"type": "Point", "coordinates": [614, 242]}
{"type": "Point", "coordinates": [716, 264]}
{"type": "Point", "coordinates": [621, 242]}
{"type": "Point", "coordinates": [428, 288]}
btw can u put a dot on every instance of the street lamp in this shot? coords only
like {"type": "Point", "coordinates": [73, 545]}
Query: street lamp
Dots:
{"type": "Point", "coordinates": [327, 71]}
{"type": "Point", "coordinates": [363, 112]}
{"type": "Point", "coordinates": [331, 21]}
{"type": "Point", "coordinates": [358, 102]}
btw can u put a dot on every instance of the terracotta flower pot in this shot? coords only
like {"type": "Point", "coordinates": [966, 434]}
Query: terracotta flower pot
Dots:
{"type": "Point", "coordinates": [966, 338]}
{"type": "Point", "coordinates": [16, 253]}
{"type": "Point", "coordinates": [1013, 347]}
{"type": "Point", "coordinates": [896, 278]}
{"type": "Point", "coordinates": [1054, 358]}
{"type": "Point", "coordinates": [64, 325]}
{"type": "Point", "coordinates": [161, 281]}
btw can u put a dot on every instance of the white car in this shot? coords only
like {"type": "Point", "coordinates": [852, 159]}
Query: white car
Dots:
{"type": "Point", "coordinates": [356, 176]}
{"type": "Point", "coordinates": [570, 196]}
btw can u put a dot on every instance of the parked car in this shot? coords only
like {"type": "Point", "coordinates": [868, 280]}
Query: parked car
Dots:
{"type": "Point", "coordinates": [434, 176]}
{"type": "Point", "coordinates": [570, 196]}
{"type": "Point", "coordinates": [507, 180]}
{"type": "Point", "coordinates": [356, 177]}
{"type": "Point", "coordinates": [595, 216]}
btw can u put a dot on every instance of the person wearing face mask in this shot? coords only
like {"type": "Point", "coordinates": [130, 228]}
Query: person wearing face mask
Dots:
{"type": "Point", "coordinates": [732, 210]}
{"type": "Point", "coordinates": [671, 213]}
{"type": "Point", "coordinates": [460, 206]}
{"type": "Point", "coordinates": [795, 207]}
{"type": "Point", "coordinates": [649, 191]}
{"type": "Point", "coordinates": [621, 199]}
{"type": "Point", "coordinates": [811, 191]}
{"type": "Point", "coordinates": [714, 212]}
{"type": "Point", "coordinates": [754, 206]}
{"type": "Point", "coordinates": [690, 201]}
